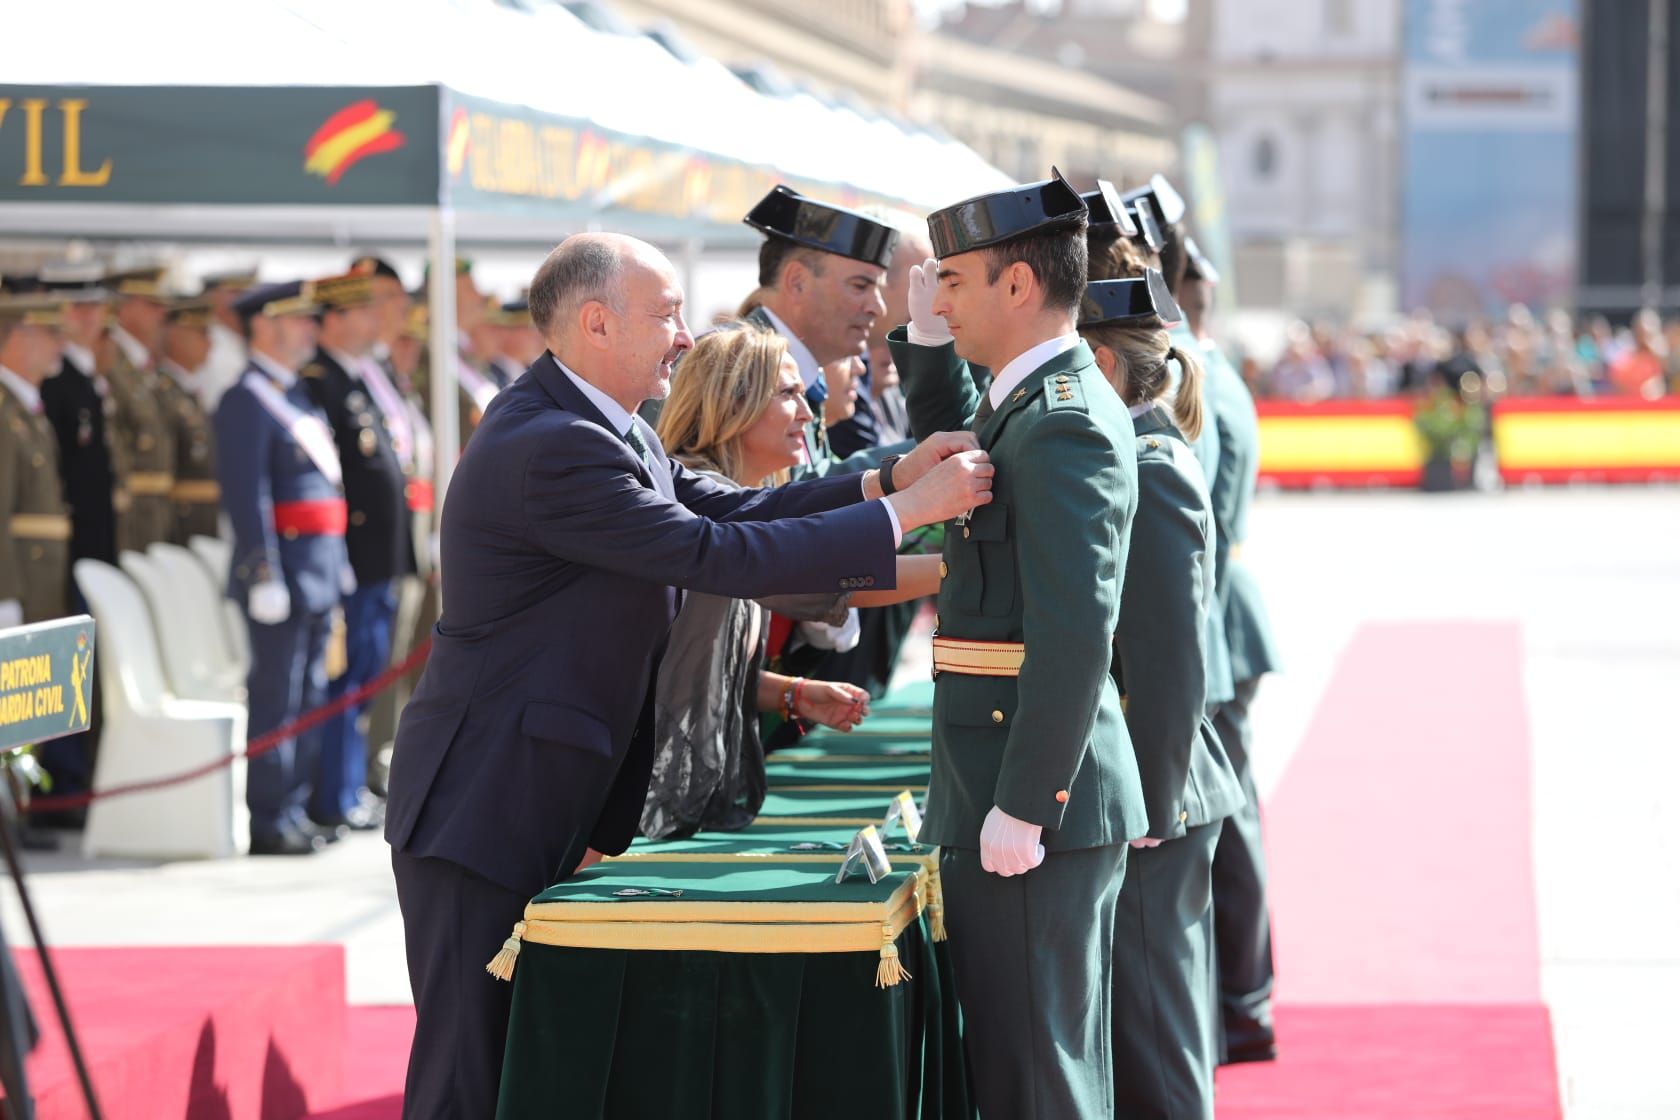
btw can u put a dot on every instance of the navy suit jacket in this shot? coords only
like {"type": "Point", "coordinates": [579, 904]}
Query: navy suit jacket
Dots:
{"type": "Point", "coordinates": [529, 737]}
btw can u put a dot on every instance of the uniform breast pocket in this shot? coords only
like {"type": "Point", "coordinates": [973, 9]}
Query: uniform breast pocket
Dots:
{"type": "Point", "coordinates": [990, 588]}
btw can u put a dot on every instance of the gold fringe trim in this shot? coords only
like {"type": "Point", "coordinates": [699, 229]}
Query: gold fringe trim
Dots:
{"type": "Point", "coordinates": [891, 971]}
{"type": "Point", "coordinates": [672, 911]}
{"type": "Point", "coordinates": [729, 937]}
{"type": "Point", "coordinates": [936, 899]}
{"type": "Point", "coordinates": [501, 965]}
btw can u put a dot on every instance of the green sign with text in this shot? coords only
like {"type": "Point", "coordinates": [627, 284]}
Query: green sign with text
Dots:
{"type": "Point", "coordinates": [46, 680]}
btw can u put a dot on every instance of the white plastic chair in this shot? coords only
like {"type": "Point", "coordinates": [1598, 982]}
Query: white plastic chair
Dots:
{"type": "Point", "coordinates": [149, 733]}
{"type": "Point", "coordinates": [189, 638]}
{"type": "Point", "coordinates": [217, 555]}
{"type": "Point", "coordinates": [187, 620]}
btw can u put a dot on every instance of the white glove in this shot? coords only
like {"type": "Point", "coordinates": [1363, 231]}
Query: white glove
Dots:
{"type": "Point", "coordinates": [434, 548]}
{"type": "Point", "coordinates": [269, 602]}
{"type": "Point", "coordinates": [1146, 842]}
{"type": "Point", "coordinates": [347, 579]}
{"type": "Point", "coordinates": [1009, 846]}
{"type": "Point", "coordinates": [926, 328]}
{"type": "Point", "coordinates": [11, 613]}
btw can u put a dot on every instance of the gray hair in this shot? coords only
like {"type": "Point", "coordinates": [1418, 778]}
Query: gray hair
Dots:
{"type": "Point", "coordinates": [579, 269]}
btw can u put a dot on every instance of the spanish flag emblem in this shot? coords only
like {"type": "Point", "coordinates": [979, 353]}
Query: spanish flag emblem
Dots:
{"type": "Point", "coordinates": [358, 130]}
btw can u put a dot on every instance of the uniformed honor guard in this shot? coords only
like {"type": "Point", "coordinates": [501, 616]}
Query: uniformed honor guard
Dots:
{"type": "Point", "coordinates": [139, 422]}
{"type": "Point", "coordinates": [1035, 790]}
{"type": "Point", "coordinates": [1242, 924]}
{"type": "Point", "coordinates": [186, 345]}
{"type": "Point", "coordinates": [1165, 1022]}
{"type": "Point", "coordinates": [820, 271]}
{"type": "Point", "coordinates": [227, 359]}
{"type": "Point", "coordinates": [78, 404]}
{"type": "Point", "coordinates": [34, 526]}
{"type": "Point", "coordinates": [472, 377]}
{"type": "Point", "coordinates": [281, 487]}
{"type": "Point", "coordinates": [348, 386]}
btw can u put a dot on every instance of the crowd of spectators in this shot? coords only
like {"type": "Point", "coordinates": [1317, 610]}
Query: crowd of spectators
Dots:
{"type": "Point", "coordinates": [1521, 355]}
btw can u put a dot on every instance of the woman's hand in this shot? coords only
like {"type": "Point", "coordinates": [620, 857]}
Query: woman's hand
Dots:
{"type": "Point", "coordinates": [832, 704]}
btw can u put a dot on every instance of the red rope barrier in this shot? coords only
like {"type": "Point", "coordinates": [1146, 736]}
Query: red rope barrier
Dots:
{"type": "Point", "coordinates": [253, 747]}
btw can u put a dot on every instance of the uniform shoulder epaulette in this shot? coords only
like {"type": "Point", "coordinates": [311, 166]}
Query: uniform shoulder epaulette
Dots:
{"type": "Point", "coordinates": [1063, 391]}
{"type": "Point", "coordinates": [313, 370]}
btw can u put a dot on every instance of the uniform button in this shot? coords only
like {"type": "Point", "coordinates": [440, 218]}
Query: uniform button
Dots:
{"type": "Point", "coordinates": [1183, 816]}
{"type": "Point", "coordinates": [965, 532]}
{"type": "Point", "coordinates": [997, 716]}
{"type": "Point", "coordinates": [358, 518]}
{"type": "Point", "coordinates": [290, 534]}
{"type": "Point", "coordinates": [1062, 796]}
{"type": "Point", "coordinates": [944, 570]}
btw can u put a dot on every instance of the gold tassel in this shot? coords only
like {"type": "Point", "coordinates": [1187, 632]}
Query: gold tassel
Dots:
{"type": "Point", "coordinates": [936, 905]}
{"type": "Point", "coordinates": [891, 970]}
{"type": "Point", "coordinates": [501, 966]}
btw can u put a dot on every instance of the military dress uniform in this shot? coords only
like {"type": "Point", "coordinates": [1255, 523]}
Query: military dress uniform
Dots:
{"type": "Point", "coordinates": [196, 495]}
{"type": "Point", "coordinates": [281, 487]}
{"type": "Point", "coordinates": [1026, 716]}
{"type": "Point", "coordinates": [1241, 921]}
{"type": "Point", "coordinates": [79, 406]}
{"type": "Point", "coordinates": [34, 525]}
{"type": "Point", "coordinates": [381, 552]}
{"type": "Point", "coordinates": [148, 438]}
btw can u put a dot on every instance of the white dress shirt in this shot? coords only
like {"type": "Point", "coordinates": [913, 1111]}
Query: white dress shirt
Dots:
{"type": "Point", "coordinates": [135, 350]}
{"type": "Point", "coordinates": [21, 389]}
{"type": "Point", "coordinates": [809, 371]}
{"type": "Point", "coordinates": [282, 376]}
{"type": "Point", "coordinates": [1017, 369]}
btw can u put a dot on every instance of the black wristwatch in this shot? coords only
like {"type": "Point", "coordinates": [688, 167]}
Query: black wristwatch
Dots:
{"type": "Point", "coordinates": [885, 474]}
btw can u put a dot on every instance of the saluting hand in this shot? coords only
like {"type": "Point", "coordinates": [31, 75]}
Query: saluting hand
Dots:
{"type": "Point", "coordinates": [926, 328]}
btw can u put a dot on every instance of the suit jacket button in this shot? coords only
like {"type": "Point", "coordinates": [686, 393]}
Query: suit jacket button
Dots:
{"type": "Point", "coordinates": [1062, 796]}
{"type": "Point", "coordinates": [869, 581]}
{"type": "Point", "coordinates": [997, 716]}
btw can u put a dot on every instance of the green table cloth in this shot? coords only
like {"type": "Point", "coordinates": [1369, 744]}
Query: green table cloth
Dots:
{"type": "Point", "coordinates": [878, 725]}
{"type": "Point", "coordinates": [909, 700]}
{"type": "Point", "coordinates": [890, 774]}
{"type": "Point", "coordinates": [724, 991]}
{"type": "Point", "coordinates": [826, 806]}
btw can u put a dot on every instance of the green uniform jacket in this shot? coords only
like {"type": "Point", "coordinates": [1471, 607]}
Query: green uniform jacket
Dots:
{"type": "Point", "coordinates": [1229, 407]}
{"type": "Point", "coordinates": [149, 443]}
{"type": "Point", "coordinates": [1041, 564]}
{"type": "Point", "coordinates": [1221, 683]}
{"type": "Point", "coordinates": [34, 560]}
{"type": "Point", "coordinates": [196, 497]}
{"type": "Point", "coordinates": [1159, 660]}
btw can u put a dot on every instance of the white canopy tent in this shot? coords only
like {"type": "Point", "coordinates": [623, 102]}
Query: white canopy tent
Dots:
{"type": "Point", "coordinates": [514, 124]}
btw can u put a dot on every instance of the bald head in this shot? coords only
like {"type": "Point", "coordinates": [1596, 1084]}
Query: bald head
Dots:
{"type": "Point", "coordinates": [610, 309]}
{"type": "Point", "coordinates": [589, 267]}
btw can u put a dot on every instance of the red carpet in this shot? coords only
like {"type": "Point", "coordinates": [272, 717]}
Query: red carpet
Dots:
{"type": "Point", "coordinates": [379, 1038]}
{"type": "Point", "coordinates": [1402, 892]}
{"type": "Point", "coordinates": [218, 1033]}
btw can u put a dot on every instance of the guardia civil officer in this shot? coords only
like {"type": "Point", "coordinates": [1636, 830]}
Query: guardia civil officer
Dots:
{"type": "Point", "coordinates": [1165, 1020]}
{"type": "Point", "coordinates": [820, 272]}
{"type": "Point", "coordinates": [347, 387]}
{"type": "Point", "coordinates": [1034, 791]}
{"type": "Point", "coordinates": [138, 422]}
{"type": "Point", "coordinates": [1242, 923]}
{"type": "Point", "coordinates": [281, 488]}
{"type": "Point", "coordinates": [186, 346]}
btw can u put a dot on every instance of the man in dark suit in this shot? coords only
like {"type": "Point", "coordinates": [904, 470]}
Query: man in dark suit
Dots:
{"type": "Point", "coordinates": [526, 749]}
{"type": "Point", "coordinates": [378, 535]}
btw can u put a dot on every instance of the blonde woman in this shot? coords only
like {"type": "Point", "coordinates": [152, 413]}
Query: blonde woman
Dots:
{"type": "Point", "coordinates": [1164, 1013]}
{"type": "Point", "coordinates": [737, 413]}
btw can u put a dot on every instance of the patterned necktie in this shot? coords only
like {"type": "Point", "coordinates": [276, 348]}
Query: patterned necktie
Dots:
{"type": "Point", "coordinates": [634, 439]}
{"type": "Point", "coordinates": [983, 413]}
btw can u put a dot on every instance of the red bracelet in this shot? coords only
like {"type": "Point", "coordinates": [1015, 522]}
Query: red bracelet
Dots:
{"type": "Point", "coordinates": [798, 691]}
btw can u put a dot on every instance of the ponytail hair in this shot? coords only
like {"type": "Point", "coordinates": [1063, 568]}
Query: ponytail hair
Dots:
{"type": "Point", "coordinates": [1187, 402]}
{"type": "Point", "coordinates": [1142, 352]}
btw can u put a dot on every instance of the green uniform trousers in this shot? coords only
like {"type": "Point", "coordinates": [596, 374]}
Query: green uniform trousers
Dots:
{"type": "Point", "coordinates": [1030, 956]}
{"type": "Point", "coordinates": [1241, 923]}
{"type": "Point", "coordinates": [1165, 1018]}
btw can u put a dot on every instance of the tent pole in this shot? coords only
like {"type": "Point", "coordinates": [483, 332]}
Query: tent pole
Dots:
{"type": "Point", "coordinates": [692, 249]}
{"type": "Point", "coordinates": [446, 399]}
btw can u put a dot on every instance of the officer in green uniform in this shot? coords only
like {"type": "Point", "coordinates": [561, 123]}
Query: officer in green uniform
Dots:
{"type": "Point", "coordinates": [186, 346]}
{"type": "Point", "coordinates": [1034, 790]}
{"type": "Point", "coordinates": [1165, 1019]}
{"type": "Point", "coordinates": [34, 524]}
{"type": "Point", "coordinates": [138, 422]}
{"type": "Point", "coordinates": [1241, 921]}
